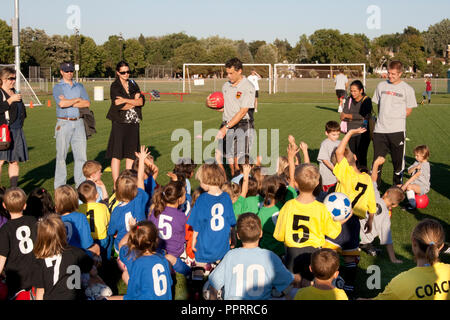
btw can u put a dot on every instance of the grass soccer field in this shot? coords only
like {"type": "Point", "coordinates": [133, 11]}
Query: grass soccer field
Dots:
{"type": "Point", "coordinates": [302, 115]}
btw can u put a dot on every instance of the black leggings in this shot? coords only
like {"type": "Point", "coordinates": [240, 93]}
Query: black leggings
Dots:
{"type": "Point", "coordinates": [359, 145]}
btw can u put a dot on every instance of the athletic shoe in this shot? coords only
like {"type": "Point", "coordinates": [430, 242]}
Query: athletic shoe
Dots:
{"type": "Point", "coordinates": [369, 249]}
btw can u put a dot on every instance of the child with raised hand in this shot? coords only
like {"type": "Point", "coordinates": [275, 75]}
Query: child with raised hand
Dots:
{"type": "Point", "coordinates": [170, 221]}
{"type": "Point", "coordinates": [57, 262]}
{"type": "Point", "coordinates": [359, 189]}
{"type": "Point", "coordinates": [92, 171]}
{"type": "Point", "coordinates": [39, 203]}
{"type": "Point", "coordinates": [98, 216]}
{"type": "Point", "coordinates": [419, 183]}
{"type": "Point", "coordinates": [147, 273]}
{"type": "Point", "coordinates": [112, 201]}
{"type": "Point", "coordinates": [327, 148]}
{"type": "Point", "coordinates": [151, 172]}
{"type": "Point", "coordinates": [274, 192]}
{"type": "Point", "coordinates": [17, 238]}
{"type": "Point", "coordinates": [240, 267]}
{"type": "Point", "coordinates": [429, 279]}
{"type": "Point", "coordinates": [212, 217]}
{"type": "Point", "coordinates": [303, 223]}
{"type": "Point", "coordinates": [381, 226]}
{"type": "Point", "coordinates": [324, 266]}
{"type": "Point", "coordinates": [77, 225]}
{"type": "Point", "coordinates": [133, 198]}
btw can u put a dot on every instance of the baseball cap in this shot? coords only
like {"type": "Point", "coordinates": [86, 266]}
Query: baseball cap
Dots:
{"type": "Point", "coordinates": [67, 67]}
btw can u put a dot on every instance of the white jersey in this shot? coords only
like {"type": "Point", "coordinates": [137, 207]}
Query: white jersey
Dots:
{"type": "Point", "coordinates": [341, 80]}
{"type": "Point", "coordinates": [254, 80]}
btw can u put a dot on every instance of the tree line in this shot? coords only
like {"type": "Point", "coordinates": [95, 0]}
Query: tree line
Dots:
{"type": "Point", "coordinates": [412, 47]}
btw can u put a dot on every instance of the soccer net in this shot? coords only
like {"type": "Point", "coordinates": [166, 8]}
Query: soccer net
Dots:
{"type": "Point", "coordinates": [314, 77]}
{"type": "Point", "coordinates": [210, 77]}
{"type": "Point", "coordinates": [27, 92]}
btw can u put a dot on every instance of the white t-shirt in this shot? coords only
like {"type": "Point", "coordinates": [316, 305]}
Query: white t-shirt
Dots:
{"type": "Point", "coordinates": [341, 80]}
{"type": "Point", "coordinates": [254, 80]}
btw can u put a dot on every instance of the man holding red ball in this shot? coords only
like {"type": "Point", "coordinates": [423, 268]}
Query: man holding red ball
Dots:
{"type": "Point", "coordinates": [237, 128]}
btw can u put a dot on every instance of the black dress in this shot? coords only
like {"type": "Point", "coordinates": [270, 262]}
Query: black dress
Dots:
{"type": "Point", "coordinates": [124, 139]}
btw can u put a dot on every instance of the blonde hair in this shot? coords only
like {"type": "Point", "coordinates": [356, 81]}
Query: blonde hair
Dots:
{"type": "Point", "coordinates": [66, 199]}
{"type": "Point", "coordinates": [211, 174]}
{"type": "Point", "coordinates": [395, 194]}
{"type": "Point", "coordinates": [90, 167]}
{"type": "Point", "coordinates": [307, 177]}
{"type": "Point", "coordinates": [126, 188]}
{"type": "Point", "coordinates": [87, 191]}
{"type": "Point", "coordinates": [429, 236]}
{"type": "Point", "coordinates": [14, 199]}
{"type": "Point", "coordinates": [233, 190]}
{"type": "Point", "coordinates": [51, 236]}
{"type": "Point", "coordinates": [283, 163]}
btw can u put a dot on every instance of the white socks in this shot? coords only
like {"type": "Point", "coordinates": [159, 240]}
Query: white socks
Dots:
{"type": "Point", "coordinates": [411, 195]}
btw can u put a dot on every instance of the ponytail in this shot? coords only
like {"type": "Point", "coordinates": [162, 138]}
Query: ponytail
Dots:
{"type": "Point", "coordinates": [429, 236]}
{"type": "Point", "coordinates": [168, 194]}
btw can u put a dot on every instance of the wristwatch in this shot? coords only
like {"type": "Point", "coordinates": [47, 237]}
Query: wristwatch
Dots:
{"type": "Point", "coordinates": [227, 126]}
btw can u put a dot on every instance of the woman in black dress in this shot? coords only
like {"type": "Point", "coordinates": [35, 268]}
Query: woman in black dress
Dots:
{"type": "Point", "coordinates": [12, 107]}
{"type": "Point", "coordinates": [356, 112]}
{"type": "Point", "coordinates": [126, 114]}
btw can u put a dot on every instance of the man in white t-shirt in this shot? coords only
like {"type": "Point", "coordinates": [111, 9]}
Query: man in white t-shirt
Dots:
{"type": "Point", "coordinates": [341, 86]}
{"type": "Point", "coordinates": [395, 99]}
{"type": "Point", "coordinates": [253, 78]}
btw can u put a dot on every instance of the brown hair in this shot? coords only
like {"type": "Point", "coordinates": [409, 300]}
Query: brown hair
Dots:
{"type": "Point", "coordinates": [184, 168]}
{"type": "Point", "coordinates": [66, 199]}
{"type": "Point", "coordinates": [169, 194]}
{"type": "Point", "coordinates": [252, 186]}
{"type": "Point", "coordinates": [51, 236]}
{"type": "Point", "coordinates": [307, 177]}
{"type": "Point", "coordinates": [273, 188]}
{"type": "Point", "coordinates": [233, 190]}
{"type": "Point", "coordinates": [347, 154]}
{"type": "Point", "coordinates": [14, 200]}
{"type": "Point", "coordinates": [90, 167]}
{"type": "Point", "coordinates": [283, 163]}
{"type": "Point", "coordinates": [324, 263]}
{"type": "Point", "coordinates": [396, 65]}
{"type": "Point", "coordinates": [211, 174]}
{"type": "Point", "coordinates": [143, 237]}
{"type": "Point", "coordinates": [331, 126]}
{"type": "Point", "coordinates": [256, 172]}
{"type": "Point", "coordinates": [126, 188]}
{"type": "Point", "coordinates": [87, 191]}
{"type": "Point", "coordinates": [248, 227]}
{"type": "Point", "coordinates": [395, 194]}
{"type": "Point", "coordinates": [423, 150]}
{"type": "Point", "coordinates": [6, 71]}
{"type": "Point", "coordinates": [147, 169]}
{"type": "Point", "coordinates": [429, 236]}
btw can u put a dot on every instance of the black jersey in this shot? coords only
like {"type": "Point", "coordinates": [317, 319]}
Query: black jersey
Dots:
{"type": "Point", "coordinates": [17, 237]}
{"type": "Point", "coordinates": [60, 275]}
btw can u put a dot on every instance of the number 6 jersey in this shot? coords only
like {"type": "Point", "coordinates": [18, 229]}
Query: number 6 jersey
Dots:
{"type": "Point", "coordinates": [17, 238]}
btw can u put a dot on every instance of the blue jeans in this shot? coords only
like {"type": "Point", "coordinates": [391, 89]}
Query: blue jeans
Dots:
{"type": "Point", "coordinates": [70, 134]}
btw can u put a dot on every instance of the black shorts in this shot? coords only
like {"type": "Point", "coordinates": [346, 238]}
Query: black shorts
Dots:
{"type": "Point", "coordinates": [256, 93]}
{"type": "Point", "coordinates": [348, 239]}
{"type": "Point", "coordinates": [340, 93]}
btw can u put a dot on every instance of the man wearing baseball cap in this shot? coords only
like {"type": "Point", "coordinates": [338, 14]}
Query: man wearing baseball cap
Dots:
{"type": "Point", "coordinates": [70, 96]}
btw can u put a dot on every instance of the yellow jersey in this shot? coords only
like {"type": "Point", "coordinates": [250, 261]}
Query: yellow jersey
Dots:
{"type": "Point", "coordinates": [313, 293]}
{"type": "Point", "coordinates": [419, 283]}
{"type": "Point", "coordinates": [98, 217]}
{"type": "Point", "coordinates": [305, 225]}
{"type": "Point", "coordinates": [357, 186]}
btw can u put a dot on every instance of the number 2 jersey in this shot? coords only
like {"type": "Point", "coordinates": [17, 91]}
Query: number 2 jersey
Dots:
{"type": "Point", "coordinates": [357, 186]}
{"type": "Point", "coordinates": [212, 217]}
{"type": "Point", "coordinates": [17, 237]}
{"type": "Point", "coordinates": [302, 225]}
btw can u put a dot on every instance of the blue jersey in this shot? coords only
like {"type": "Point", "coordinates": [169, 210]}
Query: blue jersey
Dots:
{"type": "Point", "coordinates": [212, 217]}
{"type": "Point", "coordinates": [78, 230]}
{"type": "Point", "coordinates": [150, 277]}
{"type": "Point", "coordinates": [150, 185]}
{"type": "Point", "coordinates": [250, 274]}
{"type": "Point", "coordinates": [121, 215]}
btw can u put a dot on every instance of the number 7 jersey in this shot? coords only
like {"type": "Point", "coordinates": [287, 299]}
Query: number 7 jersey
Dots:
{"type": "Point", "coordinates": [358, 187]}
{"type": "Point", "coordinates": [305, 225]}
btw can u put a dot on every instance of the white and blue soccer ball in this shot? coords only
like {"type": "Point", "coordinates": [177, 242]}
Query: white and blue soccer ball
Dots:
{"type": "Point", "coordinates": [339, 205]}
{"type": "Point", "coordinates": [96, 290]}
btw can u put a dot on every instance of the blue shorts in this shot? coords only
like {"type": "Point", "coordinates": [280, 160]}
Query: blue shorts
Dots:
{"type": "Point", "coordinates": [348, 240]}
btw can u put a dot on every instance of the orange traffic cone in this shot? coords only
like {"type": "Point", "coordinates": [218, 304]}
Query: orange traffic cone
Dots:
{"type": "Point", "coordinates": [49, 103]}
{"type": "Point", "coordinates": [31, 105]}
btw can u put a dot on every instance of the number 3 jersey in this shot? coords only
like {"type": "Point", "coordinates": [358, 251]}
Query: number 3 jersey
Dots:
{"type": "Point", "coordinates": [17, 237]}
{"type": "Point", "coordinates": [357, 186]}
{"type": "Point", "coordinates": [212, 217]}
{"type": "Point", "coordinates": [305, 225]}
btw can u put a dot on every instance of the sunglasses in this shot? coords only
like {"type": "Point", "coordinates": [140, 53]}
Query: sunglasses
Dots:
{"type": "Point", "coordinates": [124, 72]}
{"type": "Point", "coordinates": [11, 78]}
{"type": "Point", "coordinates": [68, 71]}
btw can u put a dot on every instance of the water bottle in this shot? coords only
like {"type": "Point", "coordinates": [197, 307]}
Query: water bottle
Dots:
{"type": "Point", "coordinates": [365, 123]}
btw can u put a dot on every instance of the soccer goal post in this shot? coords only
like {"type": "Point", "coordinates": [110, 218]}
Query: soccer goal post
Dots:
{"type": "Point", "coordinates": [314, 77]}
{"type": "Point", "coordinates": [210, 77]}
{"type": "Point", "coordinates": [27, 92]}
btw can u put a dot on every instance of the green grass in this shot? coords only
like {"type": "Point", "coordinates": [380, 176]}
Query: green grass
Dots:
{"type": "Point", "coordinates": [302, 115]}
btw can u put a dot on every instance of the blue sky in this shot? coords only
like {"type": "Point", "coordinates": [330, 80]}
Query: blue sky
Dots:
{"type": "Point", "coordinates": [235, 19]}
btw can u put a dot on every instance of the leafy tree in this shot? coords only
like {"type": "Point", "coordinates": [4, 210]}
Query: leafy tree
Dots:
{"type": "Point", "coordinates": [192, 52]}
{"type": "Point", "coordinates": [243, 52]}
{"type": "Point", "coordinates": [113, 53]}
{"type": "Point", "coordinates": [284, 49]}
{"type": "Point", "coordinates": [6, 48]}
{"type": "Point", "coordinates": [437, 37]}
{"type": "Point", "coordinates": [267, 54]}
{"type": "Point", "coordinates": [254, 46]}
{"type": "Point", "coordinates": [222, 53]}
{"type": "Point", "coordinates": [303, 51]}
{"type": "Point", "coordinates": [134, 55]}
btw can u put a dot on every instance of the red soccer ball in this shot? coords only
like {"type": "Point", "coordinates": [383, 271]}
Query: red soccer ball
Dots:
{"type": "Point", "coordinates": [422, 201]}
{"type": "Point", "coordinates": [218, 98]}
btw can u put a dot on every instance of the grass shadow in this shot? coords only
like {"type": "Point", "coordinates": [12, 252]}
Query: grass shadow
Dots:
{"type": "Point", "coordinates": [327, 108]}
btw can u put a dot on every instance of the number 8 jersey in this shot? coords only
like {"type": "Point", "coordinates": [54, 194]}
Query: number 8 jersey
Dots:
{"type": "Point", "coordinates": [17, 238]}
{"type": "Point", "coordinates": [212, 217]}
